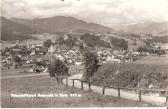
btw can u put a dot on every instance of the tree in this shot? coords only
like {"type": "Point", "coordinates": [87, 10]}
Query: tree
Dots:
{"type": "Point", "coordinates": [91, 65]}
{"type": "Point", "coordinates": [57, 68]}
{"type": "Point", "coordinates": [92, 40]}
{"type": "Point", "coordinates": [7, 49]}
{"type": "Point", "coordinates": [60, 40]}
{"type": "Point", "coordinates": [119, 43]}
{"type": "Point", "coordinates": [47, 43]}
{"type": "Point", "coordinates": [81, 47]}
{"type": "Point", "coordinates": [17, 60]}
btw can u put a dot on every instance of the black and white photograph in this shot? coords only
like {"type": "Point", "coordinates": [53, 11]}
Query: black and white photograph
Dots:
{"type": "Point", "coordinates": [84, 53]}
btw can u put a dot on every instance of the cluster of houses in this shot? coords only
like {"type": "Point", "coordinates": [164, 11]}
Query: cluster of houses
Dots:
{"type": "Point", "coordinates": [31, 52]}
{"type": "Point", "coordinates": [108, 55]}
{"type": "Point", "coordinates": [71, 56]}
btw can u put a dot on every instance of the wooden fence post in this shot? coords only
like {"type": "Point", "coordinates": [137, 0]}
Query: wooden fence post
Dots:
{"type": "Point", "coordinates": [76, 71]}
{"type": "Point", "coordinates": [73, 82]}
{"type": "Point", "coordinates": [89, 85]}
{"type": "Point", "coordinates": [118, 92]}
{"type": "Point", "coordinates": [82, 85]}
{"type": "Point", "coordinates": [103, 92]}
{"type": "Point", "coordinates": [60, 80]}
{"type": "Point", "coordinates": [66, 81]}
{"type": "Point", "coordinates": [10, 95]}
{"type": "Point", "coordinates": [140, 96]}
{"type": "Point", "coordinates": [166, 98]}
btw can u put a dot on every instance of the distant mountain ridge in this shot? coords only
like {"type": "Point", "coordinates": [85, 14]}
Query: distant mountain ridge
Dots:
{"type": "Point", "coordinates": [11, 30]}
{"type": "Point", "coordinates": [20, 29]}
{"type": "Point", "coordinates": [61, 24]}
{"type": "Point", "coordinates": [155, 28]}
{"type": "Point", "coordinates": [11, 26]}
{"type": "Point", "coordinates": [16, 29]}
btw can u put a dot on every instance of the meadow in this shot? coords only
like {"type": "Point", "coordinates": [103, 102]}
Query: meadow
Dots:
{"type": "Point", "coordinates": [47, 85]}
{"type": "Point", "coordinates": [147, 72]}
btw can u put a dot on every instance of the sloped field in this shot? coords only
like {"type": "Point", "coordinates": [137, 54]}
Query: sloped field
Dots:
{"type": "Point", "coordinates": [133, 75]}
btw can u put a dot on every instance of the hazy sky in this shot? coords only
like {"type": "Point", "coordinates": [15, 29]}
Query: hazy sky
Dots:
{"type": "Point", "coordinates": [99, 11]}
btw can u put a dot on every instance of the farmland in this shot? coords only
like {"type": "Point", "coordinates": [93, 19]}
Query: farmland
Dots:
{"type": "Point", "coordinates": [46, 85]}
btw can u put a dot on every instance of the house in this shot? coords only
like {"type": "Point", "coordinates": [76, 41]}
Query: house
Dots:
{"type": "Point", "coordinates": [66, 37]}
{"type": "Point", "coordinates": [51, 49]}
{"type": "Point", "coordinates": [163, 46]}
{"type": "Point", "coordinates": [39, 49]}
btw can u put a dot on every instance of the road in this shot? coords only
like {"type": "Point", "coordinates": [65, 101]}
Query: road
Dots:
{"type": "Point", "coordinates": [132, 95]}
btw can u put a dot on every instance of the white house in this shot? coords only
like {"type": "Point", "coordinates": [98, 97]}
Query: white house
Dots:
{"type": "Point", "coordinates": [51, 49]}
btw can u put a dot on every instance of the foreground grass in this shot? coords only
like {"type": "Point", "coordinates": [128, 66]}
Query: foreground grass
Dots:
{"type": "Point", "coordinates": [46, 85]}
{"type": "Point", "coordinates": [15, 72]}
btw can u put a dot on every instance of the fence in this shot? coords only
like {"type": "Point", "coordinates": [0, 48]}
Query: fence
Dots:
{"type": "Point", "coordinates": [71, 82]}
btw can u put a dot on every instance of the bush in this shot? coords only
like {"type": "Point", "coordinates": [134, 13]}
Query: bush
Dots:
{"type": "Point", "coordinates": [91, 65]}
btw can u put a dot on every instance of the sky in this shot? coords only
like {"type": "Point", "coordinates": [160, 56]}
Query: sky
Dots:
{"type": "Point", "coordinates": [106, 12]}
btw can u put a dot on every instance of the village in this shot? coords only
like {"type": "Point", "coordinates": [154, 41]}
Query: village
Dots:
{"type": "Point", "coordinates": [26, 54]}
{"type": "Point", "coordinates": [84, 53]}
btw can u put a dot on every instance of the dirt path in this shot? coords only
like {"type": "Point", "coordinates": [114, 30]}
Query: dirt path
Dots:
{"type": "Point", "coordinates": [156, 100]}
{"type": "Point", "coordinates": [8, 77]}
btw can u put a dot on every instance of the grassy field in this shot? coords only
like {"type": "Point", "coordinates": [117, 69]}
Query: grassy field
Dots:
{"type": "Point", "coordinates": [46, 85]}
{"type": "Point", "coordinates": [5, 44]}
{"type": "Point", "coordinates": [153, 60]}
{"type": "Point", "coordinates": [145, 72]}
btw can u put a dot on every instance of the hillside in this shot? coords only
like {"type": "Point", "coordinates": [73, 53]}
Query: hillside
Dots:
{"type": "Point", "coordinates": [62, 24]}
{"type": "Point", "coordinates": [155, 28]}
{"type": "Point", "coordinates": [163, 33]}
{"type": "Point", "coordinates": [14, 31]}
{"type": "Point", "coordinates": [9, 26]}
